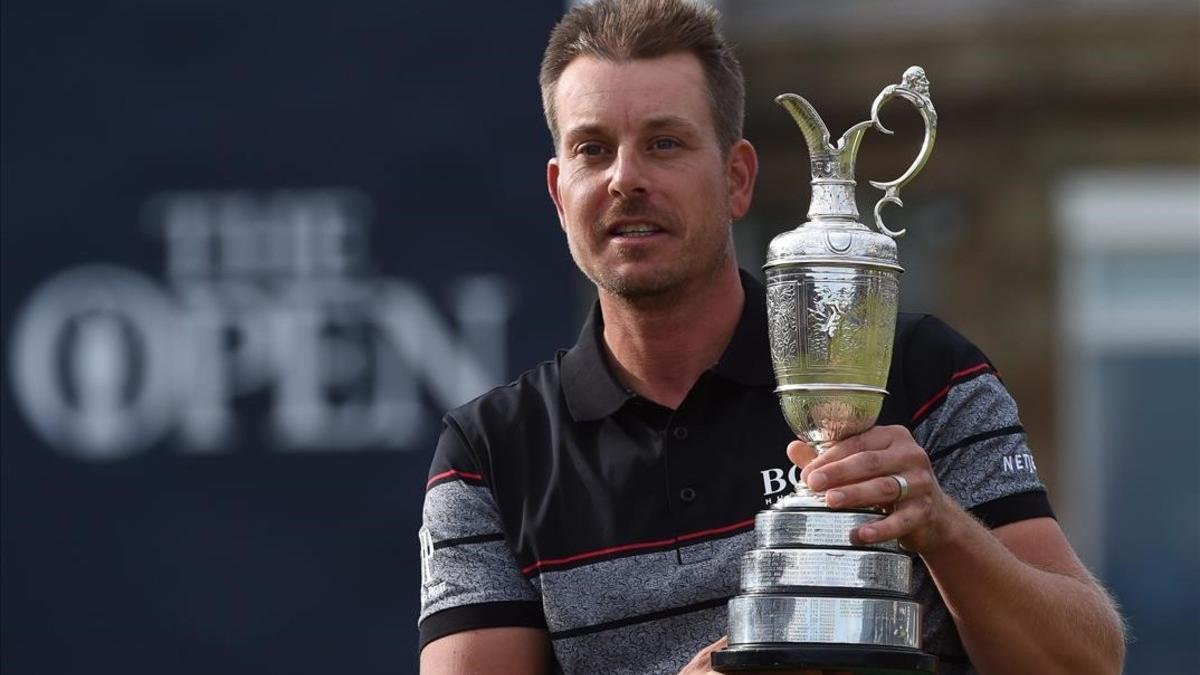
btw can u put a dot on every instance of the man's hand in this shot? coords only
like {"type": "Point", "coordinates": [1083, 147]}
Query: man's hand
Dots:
{"type": "Point", "coordinates": [857, 472]}
{"type": "Point", "coordinates": [701, 663]}
{"type": "Point", "coordinates": [1022, 601]}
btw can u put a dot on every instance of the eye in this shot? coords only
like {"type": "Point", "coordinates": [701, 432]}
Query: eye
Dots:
{"type": "Point", "coordinates": [665, 144]}
{"type": "Point", "coordinates": [590, 149]}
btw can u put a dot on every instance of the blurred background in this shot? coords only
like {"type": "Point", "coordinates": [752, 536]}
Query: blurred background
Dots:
{"type": "Point", "coordinates": [252, 251]}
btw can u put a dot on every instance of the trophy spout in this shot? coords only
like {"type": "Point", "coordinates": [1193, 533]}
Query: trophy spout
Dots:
{"type": "Point", "coordinates": [816, 134]}
{"type": "Point", "coordinates": [830, 163]}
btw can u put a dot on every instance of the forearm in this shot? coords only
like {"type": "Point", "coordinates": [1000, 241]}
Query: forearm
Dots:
{"type": "Point", "coordinates": [1016, 618]}
{"type": "Point", "coordinates": [490, 651]}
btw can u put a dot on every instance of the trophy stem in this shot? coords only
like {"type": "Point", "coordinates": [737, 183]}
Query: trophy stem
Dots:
{"type": "Point", "coordinates": [802, 498]}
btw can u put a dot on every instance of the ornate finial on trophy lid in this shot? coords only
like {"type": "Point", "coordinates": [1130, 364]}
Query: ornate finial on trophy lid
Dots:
{"type": "Point", "coordinates": [914, 78]}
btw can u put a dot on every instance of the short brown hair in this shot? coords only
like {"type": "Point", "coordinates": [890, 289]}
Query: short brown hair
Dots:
{"type": "Point", "coordinates": [618, 31]}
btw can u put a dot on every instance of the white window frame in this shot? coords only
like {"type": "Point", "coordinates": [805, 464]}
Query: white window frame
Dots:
{"type": "Point", "coordinates": [1101, 212]}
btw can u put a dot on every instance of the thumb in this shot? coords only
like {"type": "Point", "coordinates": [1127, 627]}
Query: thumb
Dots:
{"type": "Point", "coordinates": [707, 651]}
{"type": "Point", "coordinates": [801, 453]}
{"type": "Point", "coordinates": [702, 661]}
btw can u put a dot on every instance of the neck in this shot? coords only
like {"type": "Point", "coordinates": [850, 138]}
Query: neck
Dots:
{"type": "Point", "coordinates": [660, 348]}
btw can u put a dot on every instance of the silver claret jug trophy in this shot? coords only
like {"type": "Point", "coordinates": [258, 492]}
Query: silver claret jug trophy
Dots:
{"type": "Point", "coordinates": [809, 597]}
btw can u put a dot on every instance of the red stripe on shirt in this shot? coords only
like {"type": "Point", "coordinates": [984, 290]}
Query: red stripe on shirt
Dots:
{"type": "Point", "coordinates": [452, 472]}
{"type": "Point", "coordinates": [715, 530]}
{"type": "Point", "coordinates": [946, 389]}
{"type": "Point", "coordinates": [659, 543]}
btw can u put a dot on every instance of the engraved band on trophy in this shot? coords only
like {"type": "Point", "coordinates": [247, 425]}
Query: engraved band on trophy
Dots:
{"type": "Point", "coordinates": [809, 596]}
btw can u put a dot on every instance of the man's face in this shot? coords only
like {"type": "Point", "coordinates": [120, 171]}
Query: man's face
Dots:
{"type": "Point", "coordinates": [642, 189]}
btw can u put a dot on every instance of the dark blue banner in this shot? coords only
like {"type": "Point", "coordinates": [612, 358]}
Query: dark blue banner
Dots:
{"type": "Point", "coordinates": [251, 251]}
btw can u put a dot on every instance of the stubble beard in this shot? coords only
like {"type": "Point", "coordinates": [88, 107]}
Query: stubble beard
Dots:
{"type": "Point", "coordinates": [666, 282]}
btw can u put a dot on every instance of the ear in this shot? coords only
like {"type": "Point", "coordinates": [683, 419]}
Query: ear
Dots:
{"type": "Point", "coordinates": [552, 173]}
{"type": "Point", "coordinates": [742, 171]}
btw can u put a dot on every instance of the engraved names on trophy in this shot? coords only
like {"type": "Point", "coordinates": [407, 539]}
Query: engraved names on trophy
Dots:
{"type": "Point", "coordinates": [782, 569]}
{"type": "Point", "coordinates": [809, 620]}
{"type": "Point", "coordinates": [812, 528]}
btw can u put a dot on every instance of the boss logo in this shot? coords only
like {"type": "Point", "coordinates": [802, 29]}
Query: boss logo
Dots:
{"type": "Point", "coordinates": [777, 481]}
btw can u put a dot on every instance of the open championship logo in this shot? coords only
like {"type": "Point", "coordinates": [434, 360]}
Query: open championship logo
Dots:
{"type": "Point", "coordinates": [268, 299]}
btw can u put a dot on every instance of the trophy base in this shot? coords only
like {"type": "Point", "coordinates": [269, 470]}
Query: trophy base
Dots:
{"type": "Point", "coordinates": [861, 660]}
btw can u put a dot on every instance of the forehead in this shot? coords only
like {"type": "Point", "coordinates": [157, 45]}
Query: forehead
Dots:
{"type": "Point", "coordinates": [594, 91]}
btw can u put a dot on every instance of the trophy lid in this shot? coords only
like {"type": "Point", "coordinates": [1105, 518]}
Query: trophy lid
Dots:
{"type": "Point", "coordinates": [832, 235]}
{"type": "Point", "coordinates": [841, 244]}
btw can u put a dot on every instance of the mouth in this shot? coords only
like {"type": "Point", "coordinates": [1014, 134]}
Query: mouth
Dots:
{"type": "Point", "coordinates": [634, 230]}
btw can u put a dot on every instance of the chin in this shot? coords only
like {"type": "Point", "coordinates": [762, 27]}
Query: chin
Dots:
{"type": "Point", "coordinates": [641, 285]}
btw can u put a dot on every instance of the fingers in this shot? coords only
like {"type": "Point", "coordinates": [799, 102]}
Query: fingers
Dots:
{"type": "Point", "coordinates": [873, 492]}
{"type": "Point", "coordinates": [801, 453]}
{"type": "Point", "coordinates": [860, 471]}
{"type": "Point", "coordinates": [721, 643]}
{"type": "Point", "coordinates": [875, 438]}
{"type": "Point", "coordinates": [835, 452]}
{"type": "Point", "coordinates": [910, 514]}
{"type": "Point", "coordinates": [861, 458]}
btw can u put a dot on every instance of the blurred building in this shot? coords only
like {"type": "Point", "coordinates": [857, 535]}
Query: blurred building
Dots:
{"type": "Point", "coordinates": [1057, 225]}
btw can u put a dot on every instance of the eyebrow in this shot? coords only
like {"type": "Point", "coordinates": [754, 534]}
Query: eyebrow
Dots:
{"type": "Point", "coordinates": [665, 122]}
{"type": "Point", "coordinates": [670, 122]}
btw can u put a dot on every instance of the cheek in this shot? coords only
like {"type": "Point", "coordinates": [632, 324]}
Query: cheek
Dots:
{"type": "Point", "coordinates": [581, 195]}
{"type": "Point", "coordinates": [715, 191]}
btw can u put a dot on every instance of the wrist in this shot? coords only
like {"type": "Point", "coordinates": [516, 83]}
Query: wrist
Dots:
{"type": "Point", "coordinates": [950, 531]}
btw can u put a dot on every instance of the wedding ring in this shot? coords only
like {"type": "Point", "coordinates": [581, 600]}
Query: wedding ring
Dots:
{"type": "Point", "coordinates": [902, 484]}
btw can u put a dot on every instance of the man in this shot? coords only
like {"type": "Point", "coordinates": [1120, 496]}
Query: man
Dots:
{"type": "Point", "coordinates": [590, 516]}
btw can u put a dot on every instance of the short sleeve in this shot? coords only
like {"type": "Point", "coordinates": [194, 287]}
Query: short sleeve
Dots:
{"type": "Point", "coordinates": [968, 423]}
{"type": "Point", "coordinates": [469, 577]}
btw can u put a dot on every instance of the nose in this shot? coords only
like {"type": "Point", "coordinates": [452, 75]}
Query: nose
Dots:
{"type": "Point", "coordinates": [628, 176]}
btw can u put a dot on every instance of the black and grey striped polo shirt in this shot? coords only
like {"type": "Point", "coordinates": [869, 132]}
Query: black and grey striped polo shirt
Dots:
{"type": "Point", "coordinates": [564, 501]}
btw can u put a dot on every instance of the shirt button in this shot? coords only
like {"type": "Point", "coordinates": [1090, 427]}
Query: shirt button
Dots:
{"type": "Point", "coordinates": [687, 494]}
{"type": "Point", "coordinates": [681, 433]}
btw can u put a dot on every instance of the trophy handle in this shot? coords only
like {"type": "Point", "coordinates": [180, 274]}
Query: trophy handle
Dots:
{"type": "Point", "coordinates": [914, 87]}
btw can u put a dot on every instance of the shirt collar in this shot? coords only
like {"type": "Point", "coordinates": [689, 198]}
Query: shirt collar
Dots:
{"type": "Point", "coordinates": [593, 391]}
{"type": "Point", "coordinates": [747, 358]}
